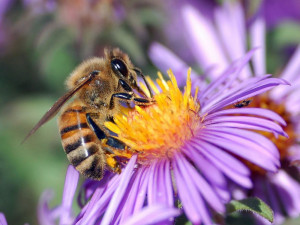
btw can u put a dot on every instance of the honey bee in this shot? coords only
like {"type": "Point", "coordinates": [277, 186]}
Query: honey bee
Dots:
{"type": "Point", "coordinates": [99, 85]}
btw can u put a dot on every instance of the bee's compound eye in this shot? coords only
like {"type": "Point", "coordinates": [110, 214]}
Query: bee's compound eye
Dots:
{"type": "Point", "coordinates": [119, 66]}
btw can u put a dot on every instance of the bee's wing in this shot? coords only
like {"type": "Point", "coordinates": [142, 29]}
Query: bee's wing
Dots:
{"type": "Point", "coordinates": [58, 104]}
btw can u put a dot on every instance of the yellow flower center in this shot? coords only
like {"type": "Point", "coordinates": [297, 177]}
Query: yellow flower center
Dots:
{"type": "Point", "coordinates": [160, 130]}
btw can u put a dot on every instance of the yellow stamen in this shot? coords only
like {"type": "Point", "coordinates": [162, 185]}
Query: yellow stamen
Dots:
{"type": "Point", "coordinates": [160, 130]}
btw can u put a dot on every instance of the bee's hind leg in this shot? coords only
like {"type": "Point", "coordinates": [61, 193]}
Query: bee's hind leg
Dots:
{"type": "Point", "coordinates": [109, 143]}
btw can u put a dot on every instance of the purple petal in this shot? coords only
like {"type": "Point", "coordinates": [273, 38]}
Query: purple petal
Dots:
{"type": "Point", "coordinates": [227, 168]}
{"type": "Point", "coordinates": [250, 91]}
{"type": "Point", "coordinates": [290, 73]}
{"type": "Point", "coordinates": [289, 192]}
{"type": "Point", "coordinates": [250, 111]}
{"type": "Point", "coordinates": [164, 59]}
{"type": "Point", "coordinates": [151, 185]}
{"type": "Point", "coordinates": [244, 151]}
{"type": "Point", "coordinates": [275, 205]}
{"type": "Point", "coordinates": [164, 195]}
{"type": "Point", "coordinates": [203, 41]}
{"type": "Point", "coordinates": [71, 182]}
{"type": "Point", "coordinates": [129, 200]}
{"type": "Point", "coordinates": [247, 122]}
{"type": "Point", "coordinates": [257, 138]}
{"type": "Point", "coordinates": [168, 183]}
{"type": "Point", "coordinates": [292, 99]}
{"type": "Point", "coordinates": [186, 196]}
{"type": "Point", "coordinates": [294, 154]}
{"type": "Point", "coordinates": [188, 193]}
{"type": "Point", "coordinates": [4, 7]}
{"type": "Point", "coordinates": [159, 187]}
{"type": "Point", "coordinates": [292, 70]}
{"type": "Point", "coordinates": [153, 215]}
{"type": "Point", "coordinates": [140, 199]}
{"type": "Point", "coordinates": [125, 206]}
{"type": "Point", "coordinates": [236, 94]}
{"type": "Point", "coordinates": [99, 201]}
{"type": "Point", "coordinates": [205, 167]}
{"type": "Point", "coordinates": [2, 219]}
{"type": "Point", "coordinates": [227, 77]}
{"type": "Point", "coordinates": [117, 197]}
{"type": "Point", "coordinates": [225, 158]}
{"type": "Point", "coordinates": [218, 180]}
{"type": "Point", "coordinates": [47, 216]}
{"type": "Point", "coordinates": [250, 142]}
{"type": "Point", "coordinates": [205, 189]}
{"type": "Point", "coordinates": [86, 191]}
{"type": "Point", "coordinates": [277, 12]}
{"type": "Point", "coordinates": [245, 126]}
{"type": "Point", "coordinates": [231, 25]}
{"type": "Point", "coordinates": [257, 38]}
{"type": "Point", "coordinates": [226, 85]}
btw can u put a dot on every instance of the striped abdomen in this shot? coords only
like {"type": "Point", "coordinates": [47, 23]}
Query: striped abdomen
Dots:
{"type": "Point", "coordinates": [80, 142]}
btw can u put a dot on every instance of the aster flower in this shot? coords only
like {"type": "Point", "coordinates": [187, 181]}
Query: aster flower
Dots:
{"type": "Point", "coordinates": [280, 190]}
{"type": "Point", "coordinates": [182, 148]}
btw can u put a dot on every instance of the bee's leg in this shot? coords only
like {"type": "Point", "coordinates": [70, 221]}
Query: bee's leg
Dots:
{"type": "Point", "coordinates": [109, 140]}
{"type": "Point", "coordinates": [113, 143]}
{"type": "Point", "coordinates": [108, 144]}
{"type": "Point", "coordinates": [101, 134]}
{"type": "Point", "coordinates": [128, 97]}
{"type": "Point", "coordinates": [126, 87]}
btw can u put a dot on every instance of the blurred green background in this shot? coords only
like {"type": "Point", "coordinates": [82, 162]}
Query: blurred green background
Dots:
{"type": "Point", "coordinates": [41, 41]}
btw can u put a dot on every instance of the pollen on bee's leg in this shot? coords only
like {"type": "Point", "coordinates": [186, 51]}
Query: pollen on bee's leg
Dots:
{"type": "Point", "coordinates": [113, 163]}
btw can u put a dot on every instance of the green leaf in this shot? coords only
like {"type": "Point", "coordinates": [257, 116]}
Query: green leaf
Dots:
{"type": "Point", "coordinates": [188, 223]}
{"type": "Point", "coordinates": [254, 205]}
